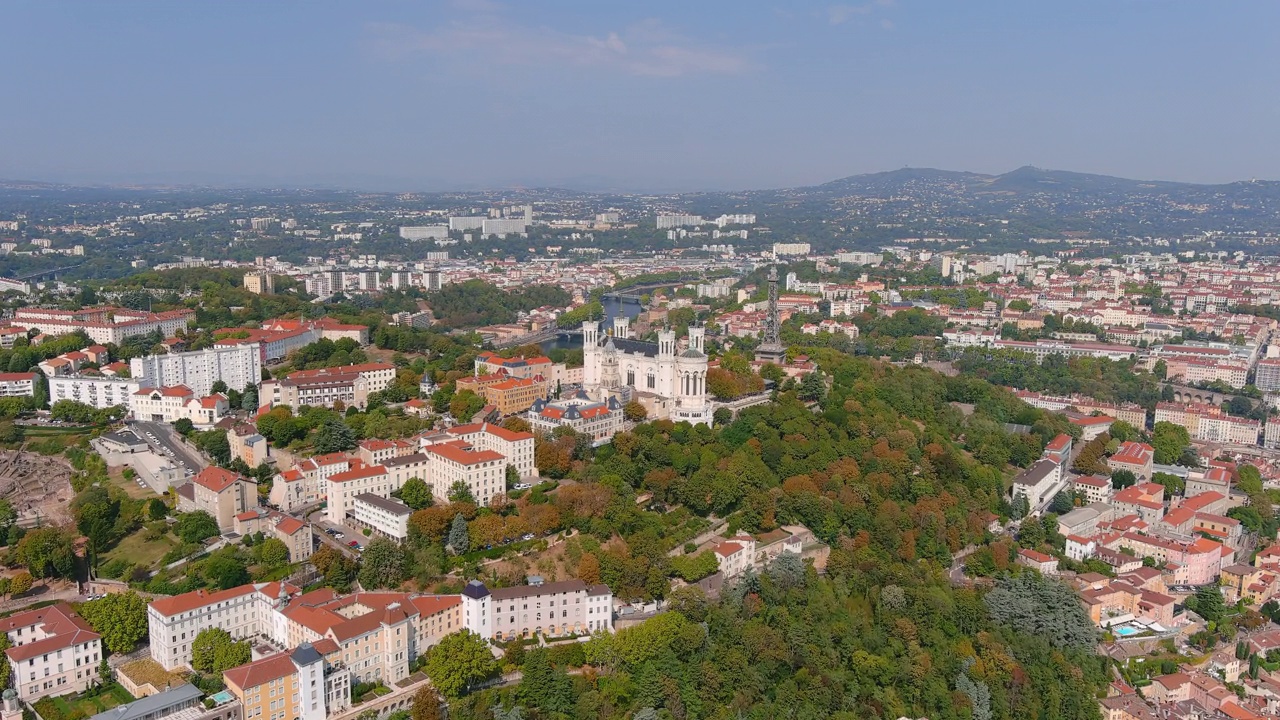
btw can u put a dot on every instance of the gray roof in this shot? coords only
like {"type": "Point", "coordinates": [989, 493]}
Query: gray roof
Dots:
{"type": "Point", "coordinates": [180, 696]}
{"type": "Point", "coordinates": [404, 460]}
{"type": "Point", "coordinates": [475, 589]}
{"type": "Point", "coordinates": [553, 588]}
{"type": "Point", "coordinates": [304, 654]}
{"type": "Point", "coordinates": [388, 504]}
{"type": "Point", "coordinates": [635, 347]}
{"type": "Point", "coordinates": [1036, 473]}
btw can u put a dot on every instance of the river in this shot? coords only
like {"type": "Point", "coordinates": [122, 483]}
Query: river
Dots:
{"type": "Point", "coordinates": [612, 308]}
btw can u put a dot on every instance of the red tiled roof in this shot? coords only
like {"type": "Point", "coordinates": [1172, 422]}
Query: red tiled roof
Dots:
{"type": "Point", "coordinates": [216, 479]}
{"type": "Point", "coordinates": [63, 626]}
{"type": "Point", "coordinates": [261, 671]}
{"type": "Point", "coordinates": [358, 473]}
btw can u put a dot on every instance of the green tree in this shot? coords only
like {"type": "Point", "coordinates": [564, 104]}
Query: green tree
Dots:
{"type": "Point", "coordinates": [459, 540]}
{"type": "Point", "coordinates": [273, 553]}
{"type": "Point", "coordinates": [382, 565]}
{"type": "Point", "coordinates": [224, 570]}
{"type": "Point", "coordinates": [416, 494]}
{"type": "Point", "coordinates": [105, 674]}
{"type": "Point", "coordinates": [249, 401]}
{"type": "Point", "coordinates": [459, 492]}
{"type": "Point", "coordinates": [47, 553]}
{"type": "Point", "coordinates": [210, 650]}
{"type": "Point", "coordinates": [1061, 503]}
{"type": "Point", "coordinates": [120, 618]}
{"type": "Point", "coordinates": [194, 527]}
{"type": "Point", "coordinates": [1028, 603]}
{"type": "Point", "coordinates": [458, 662]}
{"type": "Point", "coordinates": [544, 686]}
{"type": "Point", "coordinates": [633, 411]}
{"type": "Point", "coordinates": [156, 509]}
{"type": "Point", "coordinates": [812, 387]}
{"type": "Point", "coordinates": [1209, 603]}
{"type": "Point", "coordinates": [1169, 441]}
{"type": "Point", "coordinates": [1121, 479]}
{"type": "Point", "coordinates": [334, 436]}
{"type": "Point", "coordinates": [184, 426]}
{"type": "Point", "coordinates": [20, 583]}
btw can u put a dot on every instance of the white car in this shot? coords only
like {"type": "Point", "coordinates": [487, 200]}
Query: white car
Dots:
{"type": "Point", "coordinates": [338, 536]}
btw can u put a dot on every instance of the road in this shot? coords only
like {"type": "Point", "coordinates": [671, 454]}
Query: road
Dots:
{"type": "Point", "coordinates": [320, 524]}
{"type": "Point", "coordinates": [165, 440]}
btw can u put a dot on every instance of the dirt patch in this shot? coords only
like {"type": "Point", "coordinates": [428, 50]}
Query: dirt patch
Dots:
{"type": "Point", "coordinates": [39, 486]}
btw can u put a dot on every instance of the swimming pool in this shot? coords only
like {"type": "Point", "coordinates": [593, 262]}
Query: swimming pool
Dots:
{"type": "Point", "coordinates": [223, 697]}
{"type": "Point", "coordinates": [1126, 630]}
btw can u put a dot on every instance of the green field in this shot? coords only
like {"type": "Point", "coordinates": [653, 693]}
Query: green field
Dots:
{"type": "Point", "coordinates": [73, 707]}
{"type": "Point", "coordinates": [135, 548]}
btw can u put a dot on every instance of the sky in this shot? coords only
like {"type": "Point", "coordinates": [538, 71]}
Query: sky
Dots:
{"type": "Point", "coordinates": [649, 95]}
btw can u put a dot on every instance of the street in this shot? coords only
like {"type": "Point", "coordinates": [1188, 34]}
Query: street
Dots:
{"type": "Point", "coordinates": [161, 439]}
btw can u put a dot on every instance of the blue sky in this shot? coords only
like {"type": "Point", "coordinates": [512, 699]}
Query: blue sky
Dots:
{"type": "Point", "coordinates": [639, 95]}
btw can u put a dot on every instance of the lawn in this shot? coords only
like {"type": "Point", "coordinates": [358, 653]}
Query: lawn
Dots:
{"type": "Point", "coordinates": [135, 548]}
{"type": "Point", "coordinates": [130, 487]}
{"type": "Point", "coordinates": [73, 707]}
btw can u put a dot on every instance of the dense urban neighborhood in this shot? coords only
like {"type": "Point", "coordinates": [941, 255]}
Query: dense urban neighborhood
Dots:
{"type": "Point", "coordinates": [606, 457]}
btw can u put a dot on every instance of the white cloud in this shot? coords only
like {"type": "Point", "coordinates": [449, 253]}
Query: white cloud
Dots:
{"type": "Point", "coordinates": [646, 48]}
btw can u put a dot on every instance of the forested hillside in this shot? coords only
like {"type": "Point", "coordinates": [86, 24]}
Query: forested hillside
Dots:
{"type": "Point", "coordinates": [897, 480]}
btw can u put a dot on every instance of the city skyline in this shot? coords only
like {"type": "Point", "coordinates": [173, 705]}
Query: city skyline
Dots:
{"type": "Point", "coordinates": [477, 94]}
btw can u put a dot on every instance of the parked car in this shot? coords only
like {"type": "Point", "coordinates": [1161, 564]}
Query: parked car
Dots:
{"type": "Point", "coordinates": [353, 544]}
{"type": "Point", "coordinates": [527, 536]}
{"type": "Point", "coordinates": [339, 536]}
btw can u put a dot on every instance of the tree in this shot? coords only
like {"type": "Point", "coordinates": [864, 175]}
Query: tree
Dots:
{"type": "Point", "coordinates": [213, 651]}
{"type": "Point", "coordinates": [20, 583]}
{"type": "Point", "coordinates": [426, 705]}
{"type": "Point", "coordinates": [1019, 507]}
{"type": "Point", "coordinates": [415, 493]}
{"type": "Point", "coordinates": [120, 618]}
{"type": "Point", "coordinates": [813, 388]}
{"type": "Point", "coordinates": [382, 565]}
{"type": "Point", "coordinates": [273, 553]}
{"type": "Point", "coordinates": [1169, 441]}
{"type": "Point", "coordinates": [1121, 479]}
{"type": "Point", "coordinates": [589, 569]}
{"type": "Point", "coordinates": [544, 686]}
{"type": "Point", "coordinates": [459, 661]}
{"type": "Point", "coordinates": [47, 553]}
{"type": "Point", "coordinates": [1029, 603]}
{"type": "Point", "coordinates": [224, 570]}
{"type": "Point", "coordinates": [633, 411]}
{"type": "Point", "coordinates": [460, 492]}
{"type": "Point", "coordinates": [1061, 503]}
{"type": "Point", "coordinates": [249, 401]}
{"type": "Point", "coordinates": [1209, 603]}
{"type": "Point", "coordinates": [334, 436]}
{"type": "Point", "coordinates": [459, 539]}
{"type": "Point", "coordinates": [194, 527]}
{"type": "Point", "coordinates": [156, 509]}
{"type": "Point", "coordinates": [105, 674]}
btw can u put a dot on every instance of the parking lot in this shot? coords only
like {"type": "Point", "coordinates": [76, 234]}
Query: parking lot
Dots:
{"type": "Point", "coordinates": [160, 437]}
{"type": "Point", "coordinates": [338, 535]}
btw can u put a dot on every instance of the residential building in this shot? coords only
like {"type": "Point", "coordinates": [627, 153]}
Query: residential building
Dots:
{"type": "Point", "coordinates": [260, 282]}
{"type": "Point", "coordinates": [1146, 500]}
{"type": "Point", "coordinates": [96, 391]}
{"type": "Point", "coordinates": [294, 533]}
{"type": "Point", "coordinates": [344, 487]}
{"type": "Point", "coordinates": [53, 651]}
{"type": "Point", "coordinates": [17, 384]}
{"type": "Point", "coordinates": [248, 445]}
{"type": "Point", "coordinates": [223, 494]}
{"type": "Point", "coordinates": [599, 420]}
{"type": "Point", "coordinates": [292, 685]}
{"type": "Point", "coordinates": [483, 472]}
{"type": "Point", "coordinates": [1095, 489]}
{"type": "Point", "coordinates": [1039, 483]}
{"type": "Point", "coordinates": [516, 447]}
{"type": "Point", "coordinates": [238, 366]}
{"type": "Point", "coordinates": [350, 384]}
{"type": "Point", "coordinates": [1135, 457]}
{"type": "Point", "coordinates": [174, 622]}
{"type": "Point", "coordinates": [1045, 564]}
{"type": "Point", "coordinates": [385, 516]}
{"type": "Point", "coordinates": [102, 324]}
{"type": "Point", "coordinates": [552, 609]}
{"type": "Point", "coordinates": [736, 555]}
{"type": "Point", "coordinates": [171, 404]}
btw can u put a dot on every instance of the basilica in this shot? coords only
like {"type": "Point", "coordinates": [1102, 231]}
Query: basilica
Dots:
{"type": "Point", "coordinates": [669, 382]}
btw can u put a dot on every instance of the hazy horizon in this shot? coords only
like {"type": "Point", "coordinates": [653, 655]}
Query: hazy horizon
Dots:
{"type": "Point", "coordinates": [664, 97]}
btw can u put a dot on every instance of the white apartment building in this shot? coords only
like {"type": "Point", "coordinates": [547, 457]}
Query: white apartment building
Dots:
{"type": "Point", "coordinates": [484, 472]}
{"type": "Point", "coordinates": [795, 248]}
{"type": "Point", "coordinates": [505, 226]}
{"type": "Point", "coordinates": [171, 404]}
{"type": "Point", "coordinates": [17, 384]}
{"type": "Point", "coordinates": [103, 324]}
{"type": "Point", "coordinates": [558, 608]}
{"type": "Point", "coordinates": [98, 392]}
{"type": "Point", "coordinates": [424, 232]}
{"type": "Point", "coordinates": [668, 222]}
{"type": "Point", "coordinates": [304, 483]}
{"type": "Point", "coordinates": [385, 516]}
{"type": "Point", "coordinates": [239, 366]}
{"type": "Point", "coordinates": [53, 651]}
{"type": "Point", "coordinates": [343, 487]}
{"type": "Point", "coordinates": [174, 622]}
{"type": "Point", "coordinates": [516, 447]}
{"type": "Point", "coordinates": [465, 224]}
